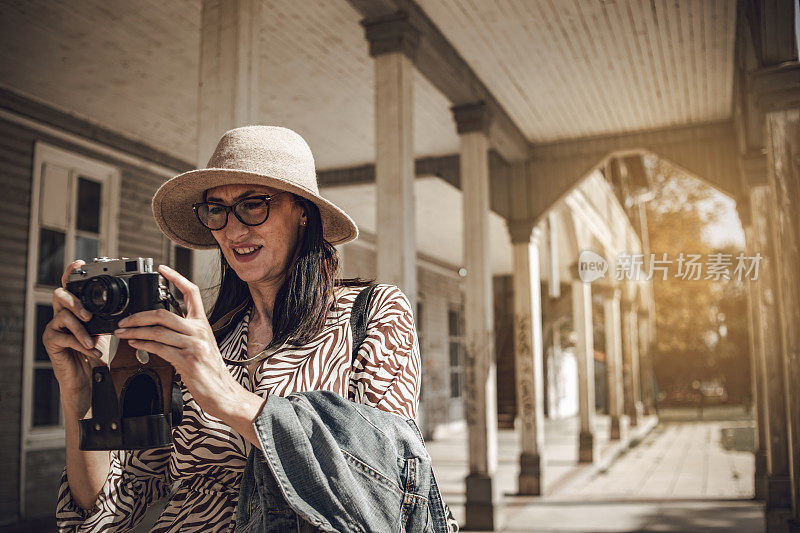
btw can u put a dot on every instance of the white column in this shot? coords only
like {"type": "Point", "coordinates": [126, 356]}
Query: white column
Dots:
{"type": "Point", "coordinates": [613, 334]}
{"type": "Point", "coordinates": [528, 353]}
{"type": "Point", "coordinates": [228, 93]}
{"type": "Point", "coordinates": [481, 397]}
{"type": "Point", "coordinates": [393, 43]}
{"type": "Point", "coordinates": [584, 351]}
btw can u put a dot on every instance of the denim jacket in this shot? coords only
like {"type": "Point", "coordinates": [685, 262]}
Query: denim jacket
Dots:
{"type": "Point", "coordinates": [330, 464]}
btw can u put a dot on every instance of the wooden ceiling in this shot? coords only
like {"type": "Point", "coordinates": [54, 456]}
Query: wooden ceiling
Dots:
{"type": "Point", "coordinates": [575, 68]}
{"type": "Point", "coordinates": [562, 69]}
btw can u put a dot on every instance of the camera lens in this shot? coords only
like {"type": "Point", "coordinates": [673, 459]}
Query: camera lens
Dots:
{"type": "Point", "coordinates": [105, 295]}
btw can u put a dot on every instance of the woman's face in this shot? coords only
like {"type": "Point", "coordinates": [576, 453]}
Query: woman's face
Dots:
{"type": "Point", "coordinates": [263, 252]}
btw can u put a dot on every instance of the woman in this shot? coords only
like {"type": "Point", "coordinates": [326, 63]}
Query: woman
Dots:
{"type": "Point", "coordinates": [281, 324]}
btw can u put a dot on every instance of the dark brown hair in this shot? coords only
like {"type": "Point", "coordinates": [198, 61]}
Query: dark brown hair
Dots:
{"type": "Point", "coordinates": [307, 293]}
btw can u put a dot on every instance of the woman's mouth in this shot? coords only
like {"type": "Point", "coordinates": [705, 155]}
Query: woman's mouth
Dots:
{"type": "Point", "coordinates": [246, 253]}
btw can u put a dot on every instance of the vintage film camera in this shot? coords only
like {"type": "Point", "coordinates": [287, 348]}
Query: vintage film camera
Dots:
{"type": "Point", "coordinates": [136, 400]}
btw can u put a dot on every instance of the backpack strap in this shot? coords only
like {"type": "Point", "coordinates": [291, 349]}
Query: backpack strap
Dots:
{"type": "Point", "coordinates": [359, 318]}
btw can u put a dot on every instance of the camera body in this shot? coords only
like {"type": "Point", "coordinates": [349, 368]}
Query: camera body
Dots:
{"type": "Point", "coordinates": [136, 399]}
{"type": "Point", "coordinates": [112, 289]}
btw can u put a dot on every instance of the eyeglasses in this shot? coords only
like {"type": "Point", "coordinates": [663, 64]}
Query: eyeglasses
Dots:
{"type": "Point", "coordinates": [250, 211]}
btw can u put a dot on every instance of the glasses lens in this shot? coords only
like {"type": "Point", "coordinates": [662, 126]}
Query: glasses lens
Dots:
{"type": "Point", "coordinates": [252, 211]}
{"type": "Point", "coordinates": [213, 216]}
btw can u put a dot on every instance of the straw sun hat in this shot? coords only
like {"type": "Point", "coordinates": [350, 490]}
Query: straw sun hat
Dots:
{"type": "Point", "coordinates": [262, 155]}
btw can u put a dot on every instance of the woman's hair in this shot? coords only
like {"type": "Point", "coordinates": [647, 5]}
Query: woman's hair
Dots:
{"type": "Point", "coordinates": [307, 293]}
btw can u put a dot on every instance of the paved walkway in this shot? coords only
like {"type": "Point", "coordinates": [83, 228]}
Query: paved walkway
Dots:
{"type": "Point", "coordinates": [683, 476]}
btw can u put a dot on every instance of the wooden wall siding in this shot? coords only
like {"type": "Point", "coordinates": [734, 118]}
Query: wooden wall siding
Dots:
{"type": "Point", "coordinates": [437, 291]}
{"type": "Point", "coordinates": [576, 68]}
{"type": "Point", "coordinates": [138, 235]}
{"type": "Point", "coordinates": [43, 472]}
{"type": "Point", "coordinates": [16, 160]}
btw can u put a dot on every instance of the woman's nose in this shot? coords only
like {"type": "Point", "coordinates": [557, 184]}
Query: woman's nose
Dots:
{"type": "Point", "coordinates": [234, 229]}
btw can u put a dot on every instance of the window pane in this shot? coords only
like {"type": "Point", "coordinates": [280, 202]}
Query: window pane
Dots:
{"type": "Point", "coordinates": [455, 384]}
{"type": "Point", "coordinates": [44, 314]}
{"type": "Point", "coordinates": [454, 354]}
{"type": "Point", "coordinates": [51, 257]}
{"type": "Point", "coordinates": [85, 248]}
{"type": "Point", "coordinates": [45, 398]}
{"type": "Point", "coordinates": [183, 261]}
{"type": "Point", "coordinates": [88, 214]}
{"type": "Point", "coordinates": [452, 323]}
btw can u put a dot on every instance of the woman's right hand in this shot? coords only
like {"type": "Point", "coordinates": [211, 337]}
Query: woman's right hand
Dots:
{"type": "Point", "coordinates": [72, 350]}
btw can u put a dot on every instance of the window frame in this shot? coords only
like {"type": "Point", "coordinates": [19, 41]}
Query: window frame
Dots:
{"type": "Point", "coordinates": [49, 437]}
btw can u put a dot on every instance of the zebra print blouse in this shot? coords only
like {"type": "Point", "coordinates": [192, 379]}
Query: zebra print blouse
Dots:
{"type": "Point", "coordinates": [208, 457]}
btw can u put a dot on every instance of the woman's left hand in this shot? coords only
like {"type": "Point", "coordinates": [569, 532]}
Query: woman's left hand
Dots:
{"type": "Point", "coordinates": [188, 344]}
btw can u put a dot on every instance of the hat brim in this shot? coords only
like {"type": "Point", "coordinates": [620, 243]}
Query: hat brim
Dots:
{"type": "Point", "coordinates": [172, 206]}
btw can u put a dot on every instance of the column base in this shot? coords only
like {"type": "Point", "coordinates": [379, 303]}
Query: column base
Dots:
{"type": "Point", "coordinates": [586, 453]}
{"type": "Point", "coordinates": [794, 526]}
{"type": "Point", "coordinates": [633, 418]}
{"type": "Point", "coordinates": [481, 503]}
{"type": "Point", "coordinates": [530, 474]}
{"type": "Point", "coordinates": [778, 520]}
{"type": "Point", "coordinates": [619, 428]}
{"type": "Point", "coordinates": [779, 493]}
{"type": "Point", "coordinates": [760, 479]}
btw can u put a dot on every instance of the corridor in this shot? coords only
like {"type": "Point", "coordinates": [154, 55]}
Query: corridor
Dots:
{"type": "Point", "coordinates": [685, 475]}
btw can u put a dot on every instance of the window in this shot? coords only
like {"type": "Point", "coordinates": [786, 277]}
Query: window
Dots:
{"type": "Point", "coordinates": [73, 216]}
{"type": "Point", "coordinates": [181, 261]}
{"type": "Point", "coordinates": [455, 332]}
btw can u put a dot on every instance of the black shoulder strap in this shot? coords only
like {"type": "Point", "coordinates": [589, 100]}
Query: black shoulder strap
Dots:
{"type": "Point", "coordinates": [359, 317]}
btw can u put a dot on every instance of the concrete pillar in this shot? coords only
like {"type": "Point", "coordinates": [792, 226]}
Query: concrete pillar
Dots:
{"type": "Point", "coordinates": [778, 495]}
{"type": "Point", "coordinates": [228, 94]}
{"type": "Point", "coordinates": [393, 43]}
{"type": "Point", "coordinates": [528, 353]}
{"type": "Point", "coordinates": [472, 123]}
{"type": "Point", "coordinates": [776, 91]}
{"type": "Point", "coordinates": [584, 351]}
{"type": "Point", "coordinates": [613, 333]}
{"type": "Point", "coordinates": [630, 354]}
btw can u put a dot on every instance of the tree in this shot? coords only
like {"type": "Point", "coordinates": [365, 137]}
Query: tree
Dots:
{"type": "Point", "coordinates": [700, 323]}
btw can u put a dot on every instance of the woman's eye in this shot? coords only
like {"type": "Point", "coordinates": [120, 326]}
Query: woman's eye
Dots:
{"type": "Point", "coordinates": [252, 205]}
{"type": "Point", "coordinates": [215, 210]}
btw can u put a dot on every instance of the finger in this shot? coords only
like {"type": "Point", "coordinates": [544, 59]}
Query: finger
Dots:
{"type": "Point", "coordinates": [65, 320]}
{"type": "Point", "coordinates": [72, 267]}
{"type": "Point", "coordinates": [65, 340]}
{"type": "Point", "coordinates": [191, 293]}
{"type": "Point", "coordinates": [160, 334]}
{"type": "Point", "coordinates": [169, 353]}
{"type": "Point", "coordinates": [157, 317]}
{"type": "Point", "coordinates": [63, 299]}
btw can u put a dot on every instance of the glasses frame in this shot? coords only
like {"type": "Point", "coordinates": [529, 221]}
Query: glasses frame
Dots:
{"type": "Point", "coordinates": [232, 209]}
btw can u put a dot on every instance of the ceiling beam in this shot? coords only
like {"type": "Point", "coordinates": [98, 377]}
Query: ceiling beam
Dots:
{"type": "Point", "coordinates": [708, 151]}
{"type": "Point", "coordinates": [437, 60]}
{"type": "Point", "coordinates": [445, 167]}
